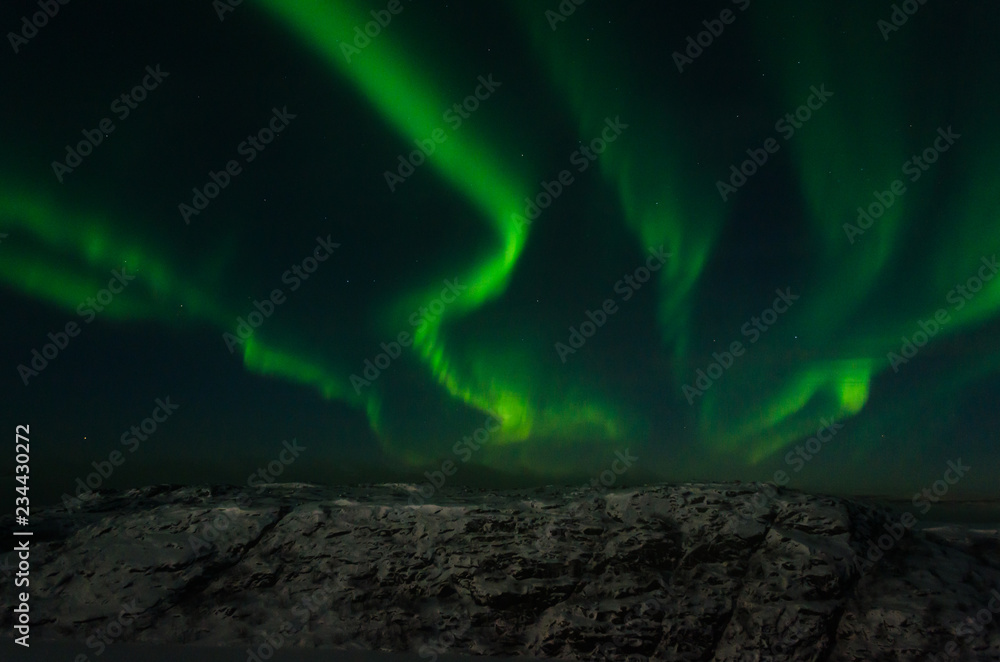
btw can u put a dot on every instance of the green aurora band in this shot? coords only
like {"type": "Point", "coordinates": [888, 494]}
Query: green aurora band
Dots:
{"type": "Point", "coordinates": [500, 383]}
{"type": "Point", "coordinates": [850, 315]}
{"type": "Point", "coordinates": [855, 145]}
{"type": "Point", "coordinates": [844, 153]}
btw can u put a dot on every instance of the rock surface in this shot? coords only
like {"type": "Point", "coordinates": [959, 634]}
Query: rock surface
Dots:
{"type": "Point", "coordinates": [681, 572]}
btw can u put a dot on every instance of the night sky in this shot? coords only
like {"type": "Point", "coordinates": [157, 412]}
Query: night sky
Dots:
{"type": "Point", "coordinates": [519, 240]}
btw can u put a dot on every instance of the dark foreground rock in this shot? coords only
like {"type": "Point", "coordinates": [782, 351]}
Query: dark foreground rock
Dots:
{"type": "Point", "coordinates": [685, 572]}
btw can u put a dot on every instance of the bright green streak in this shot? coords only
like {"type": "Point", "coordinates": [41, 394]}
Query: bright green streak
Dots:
{"type": "Point", "coordinates": [405, 97]}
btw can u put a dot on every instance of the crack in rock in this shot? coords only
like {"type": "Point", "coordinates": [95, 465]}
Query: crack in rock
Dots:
{"type": "Point", "coordinates": [700, 571]}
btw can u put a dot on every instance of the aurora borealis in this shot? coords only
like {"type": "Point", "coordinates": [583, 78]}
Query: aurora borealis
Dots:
{"type": "Point", "coordinates": [520, 237]}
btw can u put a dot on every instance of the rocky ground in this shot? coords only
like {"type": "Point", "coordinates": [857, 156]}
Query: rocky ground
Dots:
{"type": "Point", "coordinates": [682, 572]}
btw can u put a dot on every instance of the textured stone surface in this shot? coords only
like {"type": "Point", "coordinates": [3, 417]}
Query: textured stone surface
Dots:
{"type": "Point", "coordinates": [683, 572]}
